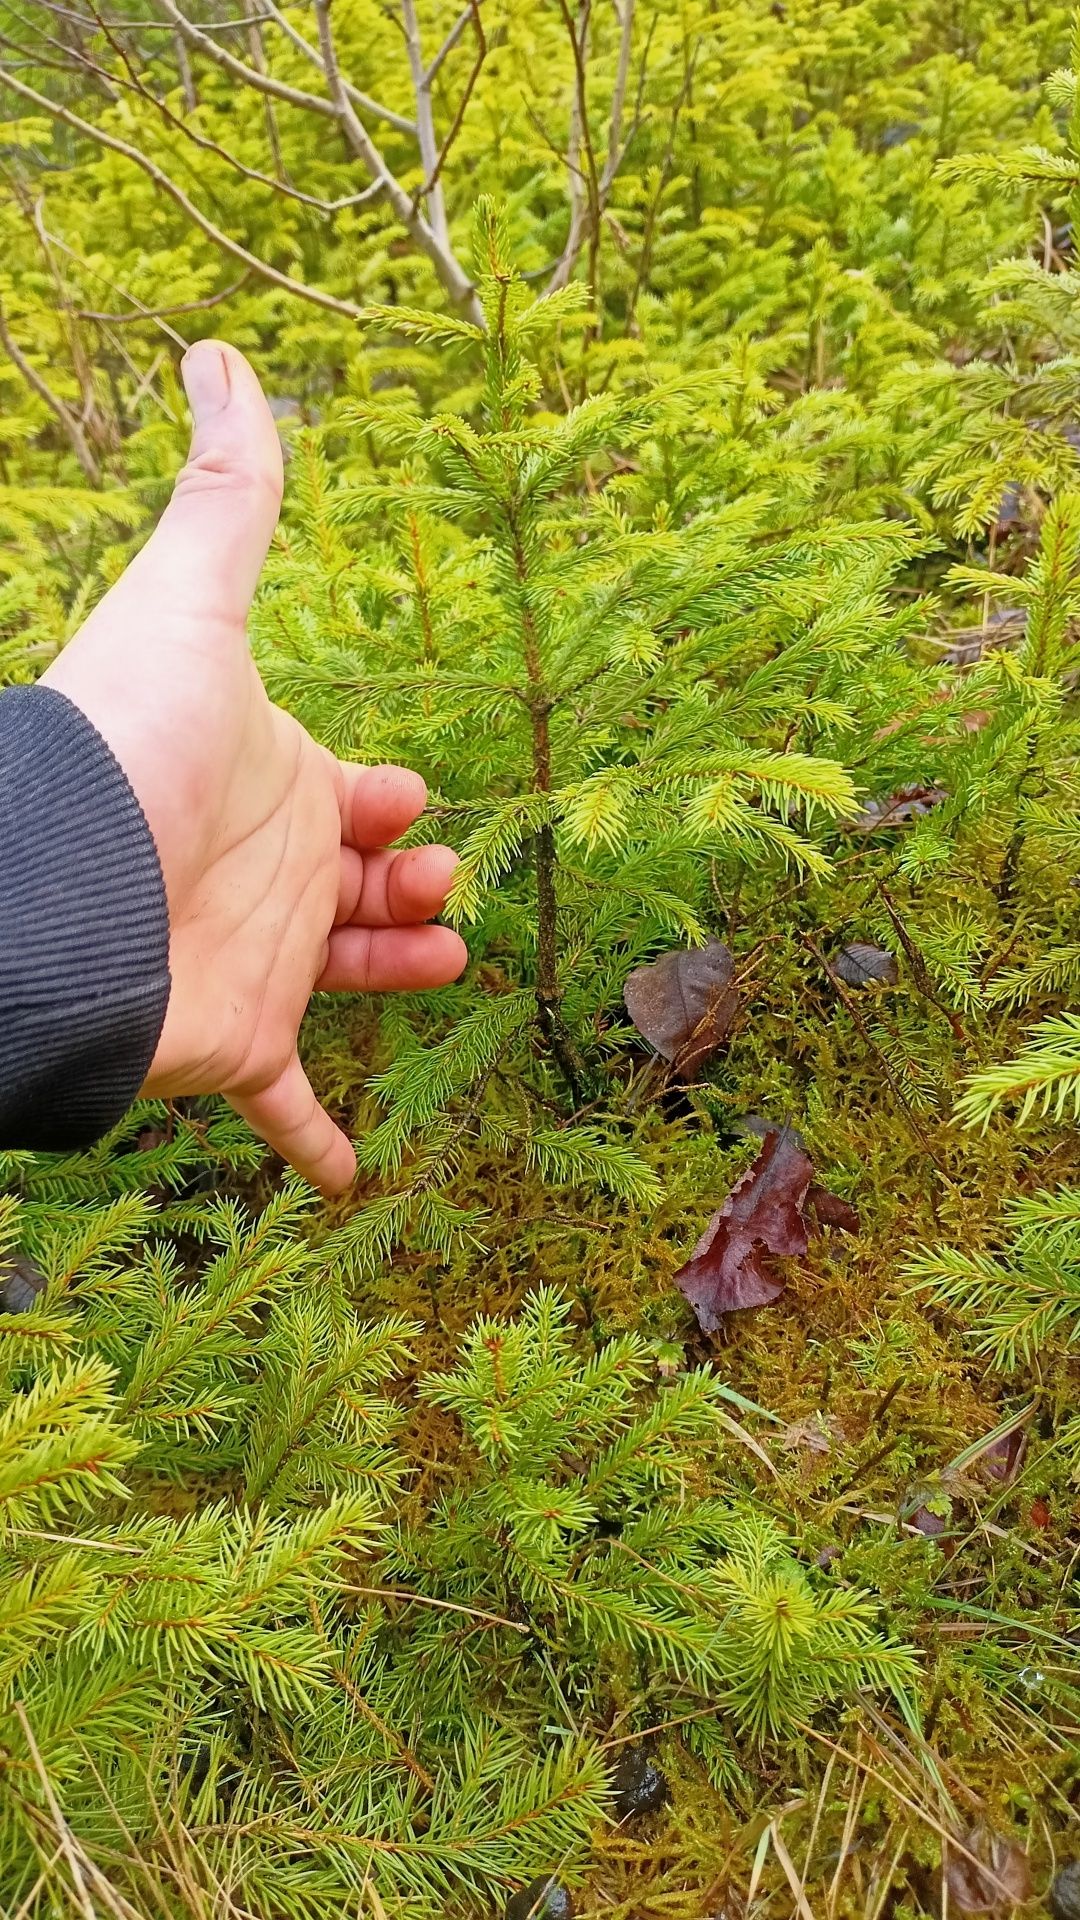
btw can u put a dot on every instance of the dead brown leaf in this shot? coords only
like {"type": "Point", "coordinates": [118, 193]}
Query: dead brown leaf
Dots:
{"type": "Point", "coordinates": [761, 1220]}
{"type": "Point", "coordinates": [684, 1003]}
{"type": "Point", "coordinates": [1001, 1880]}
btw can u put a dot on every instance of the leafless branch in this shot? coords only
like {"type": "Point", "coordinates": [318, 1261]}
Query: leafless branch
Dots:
{"type": "Point", "coordinates": [240, 70]}
{"type": "Point", "coordinates": [466, 94]}
{"type": "Point", "coordinates": [449, 43]}
{"type": "Point", "coordinates": [258, 61]}
{"type": "Point", "coordinates": [99, 428]}
{"type": "Point", "coordinates": [615, 150]}
{"type": "Point", "coordinates": [95, 273]}
{"type": "Point", "coordinates": [183, 68]}
{"type": "Point", "coordinates": [431, 192]}
{"type": "Point", "coordinates": [589, 186]}
{"type": "Point", "coordinates": [276, 185]}
{"type": "Point", "coordinates": [451, 274]}
{"type": "Point", "coordinates": [163, 313]}
{"type": "Point", "coordinates": [73, 433]}
{"type": "Point", "coordinates": [176, 193]}
{"type": "Point", "coordinates": [364, 100]}
{"type": "Point", "coordinates": [429, 235]}
{"type": "Point", "coordinates": [71, 60]}
{"type": "Point", "coordinates": [578, 186]}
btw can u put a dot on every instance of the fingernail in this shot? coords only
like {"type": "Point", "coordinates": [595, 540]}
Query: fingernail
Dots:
{"type": "Point", "coordinates": [206, 379]}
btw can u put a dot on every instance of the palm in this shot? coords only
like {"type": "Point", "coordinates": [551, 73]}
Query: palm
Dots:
{"type": "Point", "coordinates": [274, 854]}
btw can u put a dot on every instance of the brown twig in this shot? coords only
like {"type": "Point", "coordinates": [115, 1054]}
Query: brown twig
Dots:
{"type": "Point", "coordinates": [919, 969]}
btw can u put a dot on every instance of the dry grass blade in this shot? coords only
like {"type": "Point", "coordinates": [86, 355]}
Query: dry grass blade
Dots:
{"type": "Point", "coordinates": [67, 1844]}
{"type": "Point", "coordinates": [790, 1874]}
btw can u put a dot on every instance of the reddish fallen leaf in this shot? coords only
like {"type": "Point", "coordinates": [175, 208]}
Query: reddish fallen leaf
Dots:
{"type": "Point", "coordinates": [831, 1211]}
{"type": "Point", "coordinates": [861, 965]}
{"type": "Point", "coordinates": [997, 1878]}
{"type": "Point", "coordinates": [1040, 1513]}
{"type": "Point", "coordinates": [907, 803]}
{"type": "Point", "coordinates": [1001, 1460]}
{"type": "Point", "coordinates": [684, 1003]}
{"type": "Point", "coordinates": [926, 1521]}
{"type": "Point", "coordinates": [761, 1220]}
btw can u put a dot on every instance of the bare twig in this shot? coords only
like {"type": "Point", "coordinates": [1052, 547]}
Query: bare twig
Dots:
{"type": "Point", "coordinates": [240, 70]}
{"type": "Point", "coordinates": [578, 182]}
{"type": "Point", "coordinates": [276, 183]}
{"type": "Point", "coordinates": [100, 430]}
{"type": "Point", "coordinates": [258, 61]}
{"type": "Point", "coordinates": [466, 94]}
{"type": "Point", "coordinates": [176, 193]}
{"type": "Point", "coordinates": [375, 107]}
{"type": "Point", "coordinates": [431, 192]}
{"type": "Point", "coordinates": [163, 313]}
{"type": "Point", "coordinates": [73, 432]}
{"type": "Point", "coordinates": [95, 273]}
{"type": "Point", "coordinates": [445, 1606]}
{"type": "Point", "coordinates": [187, 78]}
{"type": "Point", "coordinates": [72, 59]}
{"type": "Point", "coordinates": [615, 148]}
{"type": "Point", "coordinates": [451, 274]}
{"type": "Point", "coordinates": [449, 43]}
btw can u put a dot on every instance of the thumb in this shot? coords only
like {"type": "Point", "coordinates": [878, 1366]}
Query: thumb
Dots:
{"type": "Point", "coordinates": [207, 551]}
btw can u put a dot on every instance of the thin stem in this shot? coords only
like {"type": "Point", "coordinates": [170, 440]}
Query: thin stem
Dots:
{"type": "Point", "coordinates": [450, 42]}
{"type": "Point", "coordinates": [563, 1048]}
{"type": "Point", "coordinates": [239, 69]}
{"type": "Point", "coordinates": [466, 94]}
{"type": "Point", "coordinates": [72, 430]}
{"type": "Point", "coordinates": [163, 313]}
{"type": "Point", "coordinates": [431, 191]}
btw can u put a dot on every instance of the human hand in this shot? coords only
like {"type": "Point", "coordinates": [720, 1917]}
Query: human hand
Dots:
{"type": "Point", "coordinates": [276, 858]}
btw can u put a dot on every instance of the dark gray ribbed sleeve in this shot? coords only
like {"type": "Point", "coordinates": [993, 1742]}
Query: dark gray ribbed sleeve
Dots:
{"type": "Point", "coordinates": [84, 928]}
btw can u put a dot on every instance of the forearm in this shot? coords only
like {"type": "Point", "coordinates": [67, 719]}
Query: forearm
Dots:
{"type": "Point", "coordinates": [84, 934]}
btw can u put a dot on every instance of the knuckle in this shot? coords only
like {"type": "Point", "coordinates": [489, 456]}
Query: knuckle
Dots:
{"type": "Point", "coordinates": [221, 469]}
